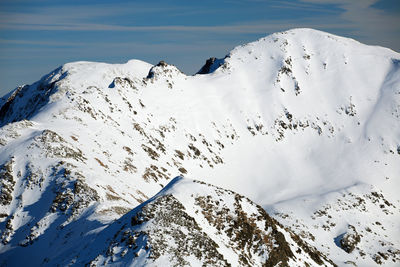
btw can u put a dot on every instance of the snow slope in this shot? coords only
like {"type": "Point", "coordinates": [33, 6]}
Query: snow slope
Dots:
{"type": "Point", "coordinates": [304, 123]}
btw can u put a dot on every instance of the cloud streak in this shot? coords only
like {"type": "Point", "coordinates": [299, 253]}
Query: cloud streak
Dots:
{"type": "Point", "coordinates": [357, 17]}
{"type": "Point", "coordinates": [98, 17]}
{"type": "Point", "coordinates": [368, 23]}
{"type": "Point", "coordinates": [241, 28]}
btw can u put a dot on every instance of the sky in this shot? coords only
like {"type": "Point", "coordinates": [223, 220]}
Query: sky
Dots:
{"type": "Point", "coordinates": [38, 36]}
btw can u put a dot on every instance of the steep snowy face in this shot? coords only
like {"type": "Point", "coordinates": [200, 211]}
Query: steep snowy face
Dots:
{"type": "Point", "coordinates": [304, 123]}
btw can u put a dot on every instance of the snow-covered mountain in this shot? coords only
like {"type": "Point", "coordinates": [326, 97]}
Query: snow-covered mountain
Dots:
{"type": "Point", "coordinates": [303, 123]}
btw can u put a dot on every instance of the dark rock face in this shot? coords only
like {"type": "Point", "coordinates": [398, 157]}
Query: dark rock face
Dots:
{"type": "Point", "coordinates": [212, 64]}
{"type": "Point", "coordinates": [207, 67]}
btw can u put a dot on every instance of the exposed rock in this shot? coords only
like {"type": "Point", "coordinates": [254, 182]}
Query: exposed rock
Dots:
{"type": "Point", "coordinates": [7, 182]}
{"type": "Point", "coordinates": [350, 240]}
{"type": "Point", "coordinates": [211, 65]}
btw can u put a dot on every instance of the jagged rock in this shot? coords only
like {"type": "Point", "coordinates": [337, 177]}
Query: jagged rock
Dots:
{"type": "Point", "coordinates": [350, 239]}
{"type": "Point", "coordinates": [211, 65]}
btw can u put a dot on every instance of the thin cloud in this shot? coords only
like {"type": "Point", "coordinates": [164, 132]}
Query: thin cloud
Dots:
{"type": "Point", "coordinates": [250, 27]}
{"type": "Point", "coordinates": [300, 6]}
{"type": "Point", "coordinates": [356, 17]}
{"type": "Point", "coordinates": [369, 24]}
{"type": "Point", "coordinates": [34, 42]}
{"type": "Point", "coordinates": [68, 14]}
{"type": "Point", "coordinates": [56, 15]}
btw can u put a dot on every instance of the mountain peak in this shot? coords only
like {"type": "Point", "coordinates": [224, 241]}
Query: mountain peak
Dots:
{"type": "Point", "coordinates": [303, 123]}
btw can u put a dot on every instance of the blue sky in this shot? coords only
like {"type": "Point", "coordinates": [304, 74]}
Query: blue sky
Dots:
{"type": "Point", "coordinates": [38, 36]}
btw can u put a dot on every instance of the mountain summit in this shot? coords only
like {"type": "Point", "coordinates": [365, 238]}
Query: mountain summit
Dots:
{"type": "Point", "coordinates": [303, 123]}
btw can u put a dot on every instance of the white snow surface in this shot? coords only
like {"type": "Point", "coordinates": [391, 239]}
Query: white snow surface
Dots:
{"type": "Point", "coordinates": [304, 123]}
